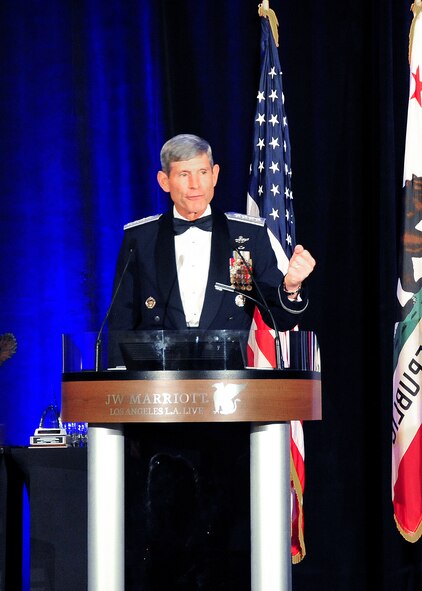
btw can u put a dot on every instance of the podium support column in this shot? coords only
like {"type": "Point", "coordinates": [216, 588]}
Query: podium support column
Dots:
{"type": "Point", "coordinates": [106, 508]}
{"type": "Point", "coordinates": [270, 507]}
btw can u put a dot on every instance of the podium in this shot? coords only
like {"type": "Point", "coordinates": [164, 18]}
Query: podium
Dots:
{"type": "Point", "coordinates": [267, 399]}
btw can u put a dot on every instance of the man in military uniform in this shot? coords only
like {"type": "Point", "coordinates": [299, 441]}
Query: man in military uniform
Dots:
{"type": "Point", "coordinates": [175, 259]}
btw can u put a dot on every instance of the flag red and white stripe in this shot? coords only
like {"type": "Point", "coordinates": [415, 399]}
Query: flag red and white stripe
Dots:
{"type": "Point", "coordinates": [406, 477]}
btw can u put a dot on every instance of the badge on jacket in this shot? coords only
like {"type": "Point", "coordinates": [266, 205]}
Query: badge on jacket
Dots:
{"type": "Point", "coordinates": [150, 303]}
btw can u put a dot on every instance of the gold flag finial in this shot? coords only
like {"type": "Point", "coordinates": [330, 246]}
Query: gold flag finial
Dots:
{"type": "Point", "coordinates": [265, 10]}
{"type": "Point", "coordinates": [416, 8]}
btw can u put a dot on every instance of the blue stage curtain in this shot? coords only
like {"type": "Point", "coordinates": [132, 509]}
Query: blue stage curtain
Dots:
{"type": "Point", "coordinates": [81, 128]}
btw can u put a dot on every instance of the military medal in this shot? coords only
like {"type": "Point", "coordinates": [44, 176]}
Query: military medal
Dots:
{"type": "Point", "coordinates": [240, 300]}
{"type": "Point", "coordinates": [240, 276]}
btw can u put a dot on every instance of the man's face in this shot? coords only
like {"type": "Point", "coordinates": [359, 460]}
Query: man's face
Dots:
{"type": "Point", "coordinates": [190, 184]}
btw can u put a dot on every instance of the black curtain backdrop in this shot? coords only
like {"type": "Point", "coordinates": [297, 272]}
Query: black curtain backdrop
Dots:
{"type": "Point", "coordinates": [89, 92]}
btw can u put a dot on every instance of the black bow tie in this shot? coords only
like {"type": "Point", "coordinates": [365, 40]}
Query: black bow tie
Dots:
{"type": "Point", "coordinates": [181, 225]}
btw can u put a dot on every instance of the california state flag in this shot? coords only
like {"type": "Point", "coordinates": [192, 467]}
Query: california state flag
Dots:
{"type": "Point", "coordinates": [407, 379]}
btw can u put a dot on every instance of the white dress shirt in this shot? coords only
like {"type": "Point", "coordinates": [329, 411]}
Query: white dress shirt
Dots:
{"type": "Point", "coordinates": [193, 250]}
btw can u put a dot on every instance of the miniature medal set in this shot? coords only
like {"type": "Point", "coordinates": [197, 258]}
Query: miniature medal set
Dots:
{"type": "Point", "coordinates": [241, 267]}
{"type": "Point", "coordinates": [240, 274]}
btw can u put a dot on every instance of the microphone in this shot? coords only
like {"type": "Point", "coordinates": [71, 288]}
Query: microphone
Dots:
{"type": "Point", "coordinates": [262, 303]}
{"type": "Point", "coordinates": [224, 287]}
{"type": "Point", "coordinates": [116, 291]}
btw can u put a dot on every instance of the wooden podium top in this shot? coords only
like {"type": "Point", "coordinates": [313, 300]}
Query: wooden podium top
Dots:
{"type": "Point", "coordinates": [256, 395]}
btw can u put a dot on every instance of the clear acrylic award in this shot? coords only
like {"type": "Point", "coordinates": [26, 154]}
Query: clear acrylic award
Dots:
{"type": "Point", "coordinates": [50, 432]}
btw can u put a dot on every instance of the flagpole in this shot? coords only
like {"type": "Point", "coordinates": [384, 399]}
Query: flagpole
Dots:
{"type": "Point", "coordinates": [271, 526]}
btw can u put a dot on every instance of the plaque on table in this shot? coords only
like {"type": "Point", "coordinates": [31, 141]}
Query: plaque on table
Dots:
{"type": "Point", "coordinates": [50, 432]}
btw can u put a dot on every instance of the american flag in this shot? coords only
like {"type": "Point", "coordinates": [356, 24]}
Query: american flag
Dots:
{"type": "Point", "coordinates": [270, 192]}
{"type": "Point", "coordinates": [270, 196]}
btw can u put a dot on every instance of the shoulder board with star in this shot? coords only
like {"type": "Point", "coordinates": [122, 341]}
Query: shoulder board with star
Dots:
{"type": "Point", "coordinates": [242, 217]}
{"type": "Point", "coordinates": [150, 218]}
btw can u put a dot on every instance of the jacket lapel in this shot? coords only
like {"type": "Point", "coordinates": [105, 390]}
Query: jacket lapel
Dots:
{"type": "Point", "coordinates": [219, 268]}
{"type": "Point", "coordinates": [165, 264]}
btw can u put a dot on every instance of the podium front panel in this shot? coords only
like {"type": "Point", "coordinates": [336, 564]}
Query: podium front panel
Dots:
{"type": "Point", "coordinates": [191, 396]}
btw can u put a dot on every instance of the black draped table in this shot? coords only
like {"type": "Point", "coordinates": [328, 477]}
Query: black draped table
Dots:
{"type": "Point", "coordinates": [56, 483]}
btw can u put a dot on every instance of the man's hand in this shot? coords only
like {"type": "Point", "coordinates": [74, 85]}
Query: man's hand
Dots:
{"type": "Point", "coordinates": [300, 267]}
